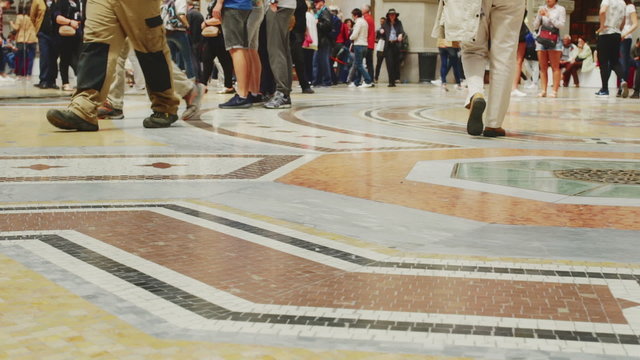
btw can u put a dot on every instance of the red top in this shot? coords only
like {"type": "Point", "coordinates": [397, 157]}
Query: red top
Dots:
{"type": "Point", "coordinates": [371, 38]}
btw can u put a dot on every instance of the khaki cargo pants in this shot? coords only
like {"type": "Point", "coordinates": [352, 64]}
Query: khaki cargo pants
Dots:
{"type": "Point", "coordinates": [109, 23]}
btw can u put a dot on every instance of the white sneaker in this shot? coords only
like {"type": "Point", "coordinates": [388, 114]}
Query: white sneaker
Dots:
{"type": "Point", "coordinates": [352, 85]}
{"type": "Point", "coordinates": [436, 82]}
{"type": "Point", "coordinates": [459, 87]}
{"type": "Point", "coordinates": [518, 93]}
{"type": "Point", "coordinates": [365, 85]}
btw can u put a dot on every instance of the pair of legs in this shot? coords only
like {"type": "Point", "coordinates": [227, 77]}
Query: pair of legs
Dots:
{"type": "Point", "coordinates": [69, 55]}
{"type": "Point", "coordinates": [181, 51]}
{"type": "Point", "coordinates": [24, 59]}
{"type": "Point", "coordinates": [392, 56]}
{"type": "Point", "coordinates": [279, 48]}
{"type": "Point", "coordinates": [499, 24]}
{"type": "Point", "coordinates": [49, 51]}
{"type": "Point", "coordinates": [571, 70]}
{"type": "Point", "coordinates": [214, 48]}
{"type": "Point", "coordinates": [108, 24]}
{"type": "Point", "coordinates": [544, 58]}
{"type": "Point", "coordinates": [360, 72]}
{"type": "Point", "coordinates": [609, 57]}
{"type": "Point", "coordinates": [449, 60]}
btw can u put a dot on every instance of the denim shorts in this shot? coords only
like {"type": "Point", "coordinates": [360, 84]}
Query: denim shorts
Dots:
{"type": "Point", "coordinates": [558, 46]}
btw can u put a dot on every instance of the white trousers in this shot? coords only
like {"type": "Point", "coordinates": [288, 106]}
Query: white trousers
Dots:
{"type": "Point", "coordinates": [499, 24]}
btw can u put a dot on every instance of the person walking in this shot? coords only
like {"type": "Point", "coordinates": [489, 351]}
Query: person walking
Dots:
{"type": "Point", "coordinates": [612, 20]}
{"type": "Point", "coordinates": [379, 49]}
{"type": "Point", "coordinates": [108, 24]}
{"type": "Point", "coordinates": [476, 23]}
{"type": "Point", "coordinates": [359, 36]}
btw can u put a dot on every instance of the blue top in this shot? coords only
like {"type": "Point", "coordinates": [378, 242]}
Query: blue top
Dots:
{"type": "Point", "coordinates": [238, 4]}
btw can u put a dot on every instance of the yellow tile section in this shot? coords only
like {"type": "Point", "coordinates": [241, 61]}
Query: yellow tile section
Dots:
{"type": "Point", "coordinates": [18, 129]}
{"type": "Point", "coordinates": [41, 320]}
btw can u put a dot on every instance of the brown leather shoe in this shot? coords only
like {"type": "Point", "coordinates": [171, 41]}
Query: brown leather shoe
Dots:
{"type": "Point", "coordinates": [68, 120]}
{"type": "Point", "coordinates": [494, 132]}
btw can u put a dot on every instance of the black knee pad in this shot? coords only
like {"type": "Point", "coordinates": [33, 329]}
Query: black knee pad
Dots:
{"type": "Point", "coordinates": [156, 70]}
{"type": "Point", "coordinates": [92, 66]}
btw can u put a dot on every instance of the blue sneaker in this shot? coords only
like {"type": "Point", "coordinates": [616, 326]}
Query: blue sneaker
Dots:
{"type": "Point", "coordinates": [236, 102]}
{"type": "Point", "coordinates": [602, 92]}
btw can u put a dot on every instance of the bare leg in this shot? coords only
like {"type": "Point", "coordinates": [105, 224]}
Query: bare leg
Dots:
{"type": "Point", "coordinates": [543, 59]}
{"type": "Point", "coordinates": [241, 66]}
{"type": "Point", "coordinates": [255, 71]}
{"type": "Point", "coordinates": [554, 58]}
{"type": "Point", "coordinates": [522, 48]}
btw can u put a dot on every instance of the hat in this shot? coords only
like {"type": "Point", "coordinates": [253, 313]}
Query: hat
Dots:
{"type": "Point", "coordinates": [393, 11]}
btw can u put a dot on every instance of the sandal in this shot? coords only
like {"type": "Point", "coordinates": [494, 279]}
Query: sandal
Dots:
{"type": "Point", "coordinates": [553, 94]}
{"type": "Point", "coordinates": [542, 94]}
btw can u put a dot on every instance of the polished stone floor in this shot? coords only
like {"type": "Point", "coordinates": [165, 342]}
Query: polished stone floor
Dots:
{"type": "Point", "coordinates": [360, 224]}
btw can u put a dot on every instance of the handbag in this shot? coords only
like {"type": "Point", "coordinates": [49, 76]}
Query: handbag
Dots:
{"type": "Point", "coordinates": [66, 31]}
{"type": "Point", "coordinates": [380, 45]}
{"type": "Point", "coordinates": [548, 36]}
{"type": "Point", "coordinates": [210, 31]}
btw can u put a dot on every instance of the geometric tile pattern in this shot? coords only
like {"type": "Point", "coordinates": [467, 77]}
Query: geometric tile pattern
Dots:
{"type": "Point", "coordinates": [289, 130]}
{"type": "Point", "coordinates": [397, 186]}
{"type": "Point", "coordinates": [281, 281]}
{"type": "Point", "coordinates": [152, 167]}
{"type": "Point", "coordinates": [564, 176]}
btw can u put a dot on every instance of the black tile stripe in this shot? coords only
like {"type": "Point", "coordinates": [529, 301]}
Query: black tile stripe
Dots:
{"type": "Point", "coordinates": [339, 254]}
{"type": "Point", "coordinates": [212, 311]}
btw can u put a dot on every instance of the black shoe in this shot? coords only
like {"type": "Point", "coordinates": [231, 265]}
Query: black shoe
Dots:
{"type": "Point", "coordinates": [619, 93]}
{"type": "Point", "coordinates": [40, 85]}
{"type": "Point", "coordinates": [602, 92]}
{"type": "Point", "coordinates": [635, 95]}
{"type": "Point", "coordinates": [51, 86]}
{"type": "Point", "coordinates": [159, 120]}
{"type": "Point", "coordinates": [257, 99]}
{"type": "Point", "coordinates": [68, 120]}
{"type": "Point", "coordinates": [494, 132]}
{"type": "Point", "coordinates": [236, 102]}
{"type": "Point", "coordinates": [476, 109]}
{"type": "Point", "coordinates": [391, 85]}
{"type": "Point", "coordinates": [308, 91]}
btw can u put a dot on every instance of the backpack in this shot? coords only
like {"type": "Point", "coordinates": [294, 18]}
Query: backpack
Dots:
{"type": "Point", "coordinates": [170, 15]}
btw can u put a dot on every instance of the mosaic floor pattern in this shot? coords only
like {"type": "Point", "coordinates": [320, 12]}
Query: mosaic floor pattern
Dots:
{"type": "Point", "coordinates": [357, 225]}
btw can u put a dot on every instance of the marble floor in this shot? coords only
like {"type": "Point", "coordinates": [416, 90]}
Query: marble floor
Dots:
{"type": "Point", "coordinates": [360, 224]}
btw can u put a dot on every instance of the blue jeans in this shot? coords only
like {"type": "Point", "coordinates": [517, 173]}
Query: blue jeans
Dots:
{"type": "Point", "coordinates": [181, 51]}
{"type": "Point", "coordinates": [625, 57]}
{"type": "Point", "coordinates": [360, 51]}
{"type": "Point", "coordinates": [449, 59]}
{"type": "Point", "coordinates": [49, 50]}
{"type": "Point", "coordinates": [322, 67]}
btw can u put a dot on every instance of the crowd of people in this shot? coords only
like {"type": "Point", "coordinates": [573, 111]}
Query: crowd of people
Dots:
{"type": "Point", "coordinates": [254, 45]}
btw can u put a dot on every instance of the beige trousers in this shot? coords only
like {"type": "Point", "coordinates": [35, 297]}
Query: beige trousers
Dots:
{"type": "Point", "coordinates": [500, 23]}
{"type": "Point", "coordinates": [181, 84]}
{"type": "Point", "coordinates": [109, 23]}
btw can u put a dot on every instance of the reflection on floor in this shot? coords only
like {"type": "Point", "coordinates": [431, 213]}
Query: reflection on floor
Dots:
{"type": "Point", "coordinates": [360, 224]}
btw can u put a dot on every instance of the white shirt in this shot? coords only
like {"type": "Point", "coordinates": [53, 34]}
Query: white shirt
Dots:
{"type": "Point", "coordinates": [615, 16]}
{"type": "Point", "coordinates": [181, 9]}
{"type": "Point", "coordinates": [556, 17]}
{"type": "Point", "coordinates": [360, 32]}
{"type": "Point", "coordinates": [630, 9]}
